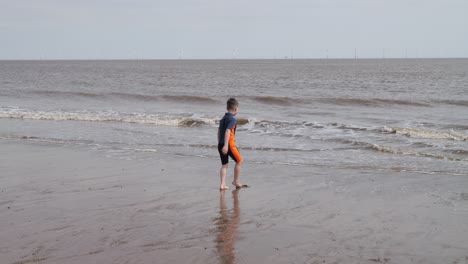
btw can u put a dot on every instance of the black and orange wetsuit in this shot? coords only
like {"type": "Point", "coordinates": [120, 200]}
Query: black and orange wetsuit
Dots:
{"type": "Point", "coordinates": [228, 122]}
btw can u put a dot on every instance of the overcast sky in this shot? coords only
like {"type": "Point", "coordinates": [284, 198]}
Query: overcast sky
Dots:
{"type": "Point", "coordinates": [152, 29]}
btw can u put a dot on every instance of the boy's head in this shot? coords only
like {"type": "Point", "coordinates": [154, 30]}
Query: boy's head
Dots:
{"type": "Point", "coordinates": [232, 105]}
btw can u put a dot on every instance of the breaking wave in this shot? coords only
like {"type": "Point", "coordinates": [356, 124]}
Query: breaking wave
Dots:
{"type": "Point", "coordinates": [429, 134]}
{"type": "Point", "coordinates": [399, 151]}
{"type": "Point", "coordinates": [102, 116]}
{"type": "Point", "coordinates": [192, 120]}
{"type": "Point", "coordinates": [139, 118]}
{"type": "Point", "coordinates": [411, 152]}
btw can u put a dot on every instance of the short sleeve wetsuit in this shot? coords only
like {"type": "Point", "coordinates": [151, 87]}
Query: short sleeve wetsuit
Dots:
{"type": "Point", "coordinates": [228, 122]}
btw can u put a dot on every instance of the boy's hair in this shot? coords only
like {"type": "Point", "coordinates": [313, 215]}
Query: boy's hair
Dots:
{"type": "Point", "coordinates": [231, 104]}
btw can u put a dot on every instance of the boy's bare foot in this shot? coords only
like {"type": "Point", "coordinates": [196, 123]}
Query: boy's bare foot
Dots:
{"type": "Point", "coordinates": [225, 187]}
{"type": "Point", "coordinates": [239, 185]}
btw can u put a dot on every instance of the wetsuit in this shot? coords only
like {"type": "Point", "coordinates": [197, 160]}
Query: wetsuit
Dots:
{"type": "Point", "coordinates": [228, 122]}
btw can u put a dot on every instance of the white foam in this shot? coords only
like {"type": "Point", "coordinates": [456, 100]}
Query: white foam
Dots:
{"type": "Point", "coordinates": [430, 134]}
{"type": "Point", "coordinates": [410, 152]}
{"type": "Point", "coordinates": [103, 116]}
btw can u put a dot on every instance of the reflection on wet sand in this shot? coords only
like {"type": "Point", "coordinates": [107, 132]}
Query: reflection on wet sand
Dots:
{"type": "Point", "coordinates": [227, 224]}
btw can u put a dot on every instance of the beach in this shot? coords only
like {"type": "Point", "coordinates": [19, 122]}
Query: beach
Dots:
{"type": "Point", "coordinates": [349, 161]}
{"type": "Point", "coordinates": [69, 204]}
{"type": "Point", "coordinates": [348, 121]}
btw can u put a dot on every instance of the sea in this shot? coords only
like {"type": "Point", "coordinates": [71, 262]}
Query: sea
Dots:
{"type": "Point", "coordinates": [400, 115]}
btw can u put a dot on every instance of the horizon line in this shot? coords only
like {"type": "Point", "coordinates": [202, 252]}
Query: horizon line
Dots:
{"type": "Point", "coordinates": [231, 59]}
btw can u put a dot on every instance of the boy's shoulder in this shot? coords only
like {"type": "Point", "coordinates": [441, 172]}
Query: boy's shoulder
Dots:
{"type": "Point", "coordinates": [232, 118]}
{"type": "Point", "coordinates": [229, 118]}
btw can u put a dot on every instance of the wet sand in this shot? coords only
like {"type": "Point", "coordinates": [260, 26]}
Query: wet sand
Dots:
{"type": "Point", "coordinates": [65, 204]}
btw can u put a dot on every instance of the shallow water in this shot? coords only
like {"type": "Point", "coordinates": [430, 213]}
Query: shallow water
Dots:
{"type": "Point", "coordinates": [384, 115]}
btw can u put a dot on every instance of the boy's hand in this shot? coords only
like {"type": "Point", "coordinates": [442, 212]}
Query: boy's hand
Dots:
{"type": "Point", "coordinates": [225, 149]}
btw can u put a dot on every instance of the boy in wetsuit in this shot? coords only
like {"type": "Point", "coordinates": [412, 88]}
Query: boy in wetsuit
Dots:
{"type": "Point", "coordinates": [227, 144]}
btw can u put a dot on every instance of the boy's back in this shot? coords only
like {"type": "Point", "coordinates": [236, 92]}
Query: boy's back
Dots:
{"type": "Point", "coordinates": [227, 122]}
{"type": "Point", "coordinates": [227, 144]}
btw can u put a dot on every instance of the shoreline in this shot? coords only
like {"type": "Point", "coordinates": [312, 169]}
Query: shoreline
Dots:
{"type": "Point", "coordinates": [66, 204]}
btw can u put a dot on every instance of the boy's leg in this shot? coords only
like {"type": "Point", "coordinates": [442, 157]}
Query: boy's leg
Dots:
{"type": "Point", "coordinates": [237, 157]}
{"type": "Point", "coordinates": [223, 170]}
{"type": "Point", "coordinates": [222, 176]}
{"type": "Point", "coordinates": [237, 170]}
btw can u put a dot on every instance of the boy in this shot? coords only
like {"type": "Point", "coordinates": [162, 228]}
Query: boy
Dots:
{"type": "Point", "coordinates": [227, 144]}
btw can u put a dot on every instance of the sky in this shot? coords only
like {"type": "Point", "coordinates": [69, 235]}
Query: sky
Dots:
{"type": "Point", "coordinates": [225, 29]}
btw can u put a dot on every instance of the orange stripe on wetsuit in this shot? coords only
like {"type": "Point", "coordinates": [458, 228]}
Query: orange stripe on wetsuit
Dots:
{"type": "Point", "coordinates": [232, 145]}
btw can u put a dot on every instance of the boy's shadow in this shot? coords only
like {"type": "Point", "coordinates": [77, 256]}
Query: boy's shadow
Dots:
{"type": "Point", "coordinates": [226, 225]}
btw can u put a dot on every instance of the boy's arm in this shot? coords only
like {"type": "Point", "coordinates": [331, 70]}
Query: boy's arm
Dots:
{"type": "Point", "coordinates": [218, 135]}
{"type": "Point", "coordinates": [226, 141]}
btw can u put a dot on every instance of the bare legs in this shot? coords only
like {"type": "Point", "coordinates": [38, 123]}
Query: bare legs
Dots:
{"type": "Point", "coordinates": [222, 176]}
{"type": "Point", "coordinates": [223, 173]}
{"type": "Point", "coordinates": [237, 170]}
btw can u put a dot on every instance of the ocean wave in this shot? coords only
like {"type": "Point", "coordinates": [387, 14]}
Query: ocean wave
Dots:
{"type": "Point", "coordinates": [349, 127]}
{"type": "Point", "coordinates": [422, 145]}
{"type": "Point", "coordinates": [135, 97]}
{"type": "Point", "coordinates": [370, 102]}
{"type": "Point", "coordinates": [457, 151]}
{"type": "Point", "coordinates": [126, 96]}
{"type": "Point", "coordinates": [242, 121]}
{"type": "Point", "coordinates": [51, 93]}
{"type": "Point", "coordinates": [314, 125]}
{"type": "Point", "coordinates": [32, 138]}
{"type": "Point", "coordinates": [266, 149]}
{"type": "Point", "coordinates": [457, 127]}
{"type": "Point", "coordinates": [399, 151]}
{"type": "Point", "coordinates": [172, 98]}
{"type": "Point", "coordinates": [410, 152]}
{"type": "Point", "coordinates": [188, 98]}
{"type": "Point", "coordinates": [285, 101]}
{"type": "Point", "coordinates": [139, 118]}
{"type": "Point", "coordinates": [374, 102]}
{"type": "Point", "coordinates": [429, 134]}
{"type": "Point", "coordinates": [152, 147]}
{"type": "Point", "coordinates": [452, 102]}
